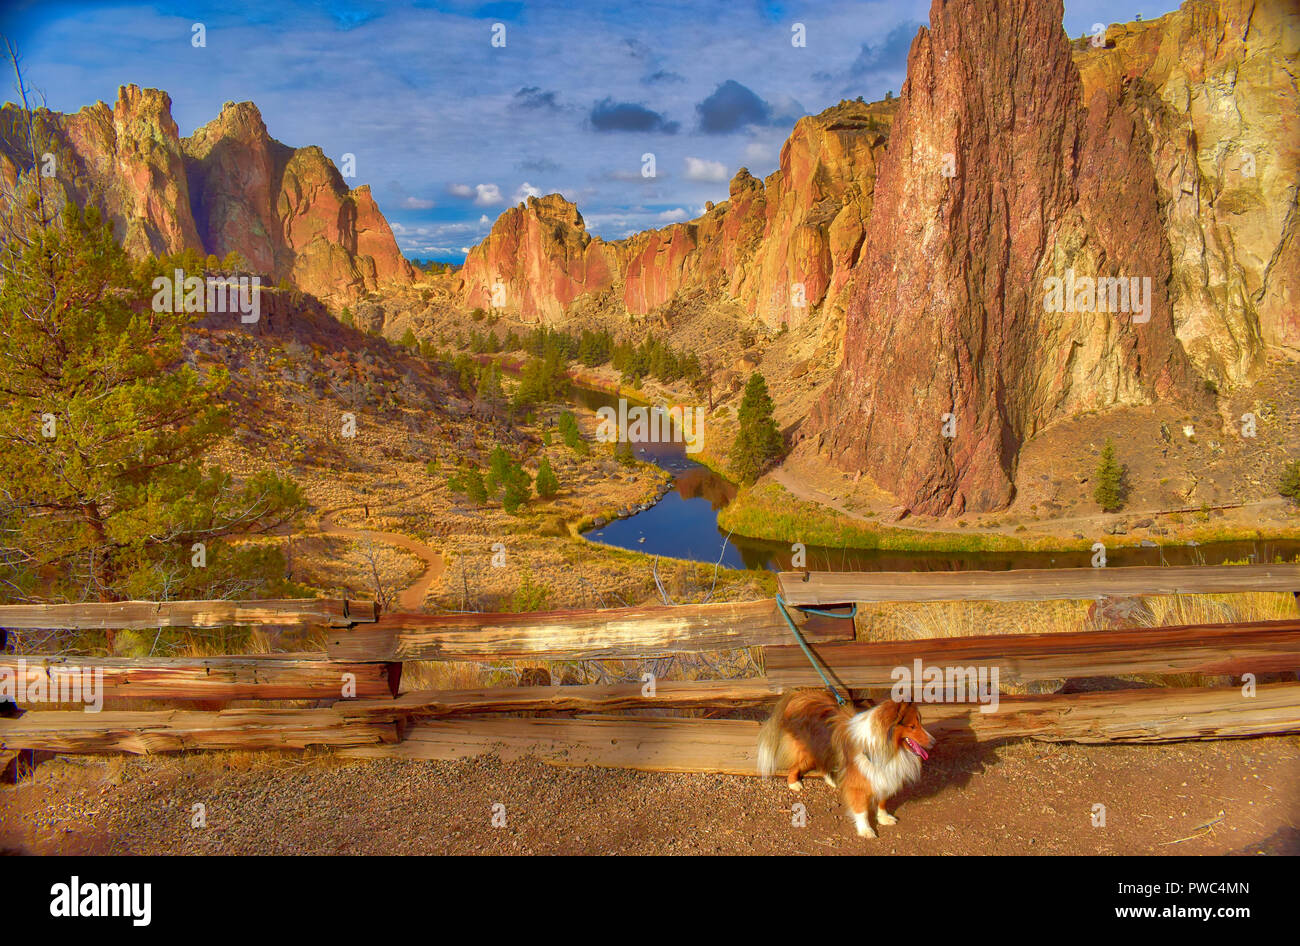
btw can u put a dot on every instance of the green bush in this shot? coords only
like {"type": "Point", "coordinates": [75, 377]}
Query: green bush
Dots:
{"type": "Point", "coordinates": [1289, 485]}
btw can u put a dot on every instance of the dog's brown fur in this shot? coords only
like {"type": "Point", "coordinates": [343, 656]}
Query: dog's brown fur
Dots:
{"type": "Point", "coordinates": [863, 753]}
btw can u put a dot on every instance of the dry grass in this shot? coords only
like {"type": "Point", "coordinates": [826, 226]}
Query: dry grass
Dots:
{"type": "Point", "coordinates": [1220, 609]}
{"type": "Point", "coordinates": [920, 621]}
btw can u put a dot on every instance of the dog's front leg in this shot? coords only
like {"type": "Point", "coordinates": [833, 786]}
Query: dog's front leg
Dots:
{"type": "Point", "coordinates": [882, 816]}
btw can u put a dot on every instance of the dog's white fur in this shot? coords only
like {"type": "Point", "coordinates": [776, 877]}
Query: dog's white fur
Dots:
{"type": "Point", "coordinates": [887, 768]}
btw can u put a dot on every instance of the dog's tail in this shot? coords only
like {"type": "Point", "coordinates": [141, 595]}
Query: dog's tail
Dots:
{"type": "Point", "coordinates": [774, 749]}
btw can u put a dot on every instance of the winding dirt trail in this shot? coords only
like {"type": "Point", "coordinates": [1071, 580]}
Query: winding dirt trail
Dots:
{"type": "Point", "coordinates": [411, 598]}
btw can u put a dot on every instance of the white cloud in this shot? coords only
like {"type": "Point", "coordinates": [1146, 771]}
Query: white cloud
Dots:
{"type": "Point", "coordinates": [525, 191]}
{"type": "Point", "coordinates": [417, 203]}
{"type": "Point", "coordinates": [674, 216]}
{"type": "Point", "coordinates": [484, 219]}
{"type": "Point", "coordinates": [488, 194]}
{"type": "Point", "coordinates": [460, 190]}
{"type": "Point", "coordinates": [758, 152]}
{"type": "Point", "coordinates": [698, 169]}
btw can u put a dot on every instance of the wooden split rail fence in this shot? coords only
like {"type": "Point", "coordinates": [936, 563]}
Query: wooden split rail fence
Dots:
{"type": "Point", "coordinates": [360, 712]}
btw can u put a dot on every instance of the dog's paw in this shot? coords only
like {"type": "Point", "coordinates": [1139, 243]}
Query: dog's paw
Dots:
{"type": "Point", "coordinates": [884, 817]}
{"type": "Point", "coordinates": [794, 786]}
{"type": "Point", "coordinates": [863, 825]}
{"type": "Point", "coordinates": [828, 780]}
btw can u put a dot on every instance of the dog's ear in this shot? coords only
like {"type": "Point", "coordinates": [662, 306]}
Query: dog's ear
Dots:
{"type": "Point", "coordinates": [895, 717]}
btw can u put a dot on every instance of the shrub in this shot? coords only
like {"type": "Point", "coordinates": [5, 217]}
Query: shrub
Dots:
{"type": "Point", "coordinates": [1289, 485]}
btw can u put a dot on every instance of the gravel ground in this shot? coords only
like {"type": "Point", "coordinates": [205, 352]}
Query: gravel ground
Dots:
{"type": "Point", "coordinates": [1228, 797]}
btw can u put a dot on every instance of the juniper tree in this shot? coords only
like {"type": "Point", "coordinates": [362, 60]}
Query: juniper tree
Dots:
{"type": "Point", "coordinates": [758, 441]}
{"type": "Point", "coordinates": [547, 484]}
{"type": "Point", "coordinates": [1108, 492]}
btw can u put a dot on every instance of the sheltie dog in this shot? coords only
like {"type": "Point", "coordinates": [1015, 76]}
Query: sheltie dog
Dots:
{"type": "Point", "coordinates": [867, 755]}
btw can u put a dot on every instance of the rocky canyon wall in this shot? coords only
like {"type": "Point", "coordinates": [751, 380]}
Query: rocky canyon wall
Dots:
{"type": "Point", "coordinates": [228, 187]}
{"type": "Point", "coordinates": [781, 248]}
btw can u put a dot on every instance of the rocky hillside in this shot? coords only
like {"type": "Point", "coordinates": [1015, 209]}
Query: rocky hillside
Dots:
{"type": "Point", "coordinates": [781, 248]}
{"type": "Point", "coordinates": [228, 187]}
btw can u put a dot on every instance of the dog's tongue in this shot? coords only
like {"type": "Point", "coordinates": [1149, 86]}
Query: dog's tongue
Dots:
{"type": "Point", "coordinates": [912, 744]}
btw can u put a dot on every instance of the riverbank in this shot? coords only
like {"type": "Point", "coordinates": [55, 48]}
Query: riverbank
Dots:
{"type": "Point", "coordinates": [771, 512]}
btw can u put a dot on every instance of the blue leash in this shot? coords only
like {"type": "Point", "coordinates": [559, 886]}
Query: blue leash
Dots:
{"type": "Point", "coordinates": [812, 658]}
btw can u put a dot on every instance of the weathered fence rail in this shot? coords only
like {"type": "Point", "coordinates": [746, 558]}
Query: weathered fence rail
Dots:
{"type": "Point", "coordinates": [803, 589]}
{"type": "Point", "coordinates": [577, 635]}
{"type": "Point", "coordinates": [264, 677]}
{"type": "Point", "coordinates": [141, 615]}
{"type": "Point", "coordinates": [360, 672]}
{"type": "Point", "coordinates": [1258, 647]}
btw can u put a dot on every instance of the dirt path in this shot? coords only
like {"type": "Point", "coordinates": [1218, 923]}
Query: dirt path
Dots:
{"type": "Point", "coordinates": [1226, 797]}
{"type": "Point", "coordinates": [412, 597]}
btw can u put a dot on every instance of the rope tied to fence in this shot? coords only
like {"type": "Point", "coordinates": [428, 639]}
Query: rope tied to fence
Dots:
{"type": "Point", "coordinates": [803, 644]}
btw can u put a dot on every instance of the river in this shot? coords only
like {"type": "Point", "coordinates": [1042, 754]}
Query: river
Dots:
{"type": "Point", "coordinates": [684, 524]}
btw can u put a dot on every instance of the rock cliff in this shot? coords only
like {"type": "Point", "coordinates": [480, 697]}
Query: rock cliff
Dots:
{"type": "Point", "coordinates": [781, 248]}
{"type": "Point", "coordinates": [228, 187]}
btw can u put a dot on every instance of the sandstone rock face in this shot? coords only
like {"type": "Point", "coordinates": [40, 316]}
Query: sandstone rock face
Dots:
{"type": "Point", "coordinates": [228, 187]}
{"type": "Point", "coordinates": [818, 204]}
{"type": "Point", "coordinates": [127, 159]}
{"type": "Point", "coordinates": [540, 257]}
{"type": "Point", "coordinates": [780, 248]}
{"type": "Point", "coordinates": [233, 165]}
{"type": "Point", "coordinates": [1213, 85]}
{"type": "Point", "coordinates": [995, 181]}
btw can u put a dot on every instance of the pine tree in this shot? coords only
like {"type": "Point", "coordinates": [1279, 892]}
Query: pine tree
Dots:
{"type": "Point", "coordinates": [1108, 492]}
{"type": "Point", "coordinates": [547, 484]}
{"type": "Point", "coordinates": [518, 489]}
{"type": "Point", "coordinates": [104, 427]}
{"type": "Point", "coordinates": [758, 441]}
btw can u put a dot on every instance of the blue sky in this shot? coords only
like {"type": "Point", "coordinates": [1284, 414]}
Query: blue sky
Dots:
{"type": "Point", "coordinates": [449, 130]}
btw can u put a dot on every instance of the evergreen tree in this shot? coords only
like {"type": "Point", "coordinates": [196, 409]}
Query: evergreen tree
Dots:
{"type": "Point", "coordinates": [573, 438]}
{"type": "Point", "coordinates": [518, 489]}
{"type": "Point", "coordinates": [499, 464]}
{"type": "Point", "coordinates": [489, 385]}
{"type": "Point", "coordinates": [1110, 477]}
{"type": "Point", "coordinates": [547, 484]}
{"type": "Point", "coordinates": [758, 442]}
{"type": "Point", "coordinates": [104, 427]}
